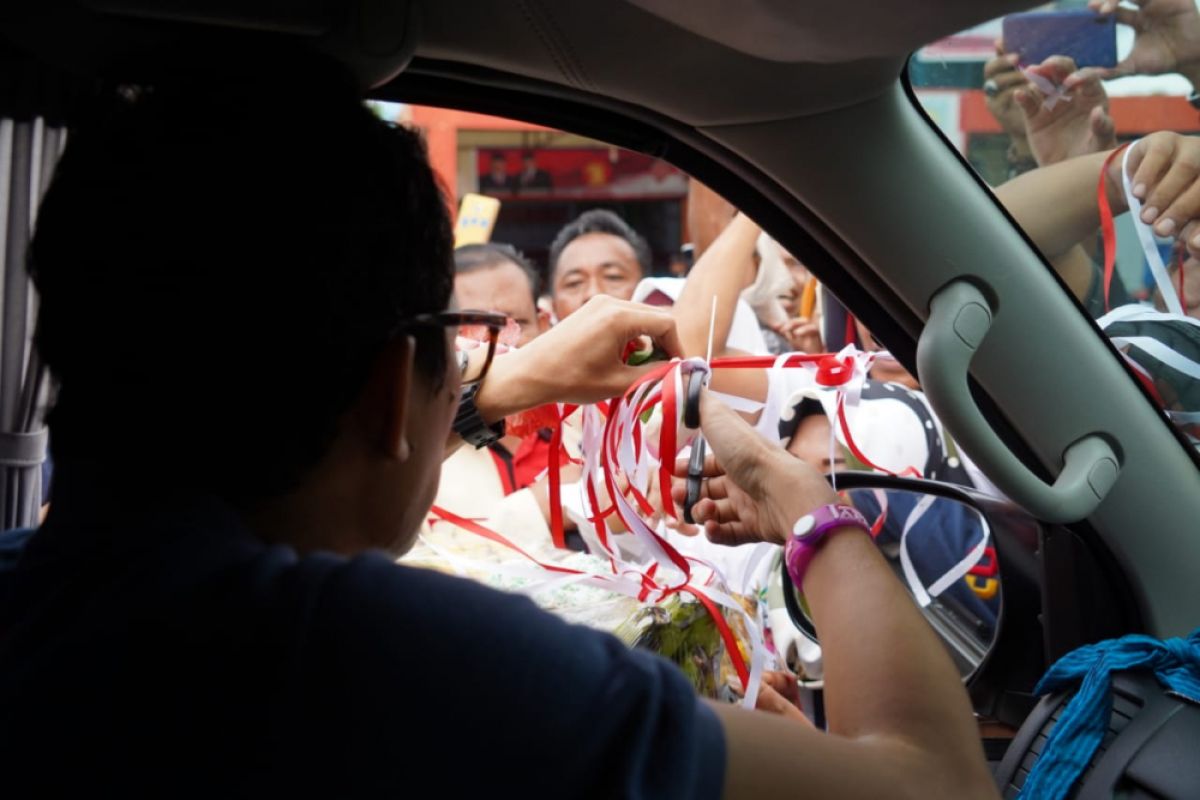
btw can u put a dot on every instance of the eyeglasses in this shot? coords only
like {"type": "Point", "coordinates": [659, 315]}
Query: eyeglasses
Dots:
{"type": "Point", "coordinates": [468, 324]}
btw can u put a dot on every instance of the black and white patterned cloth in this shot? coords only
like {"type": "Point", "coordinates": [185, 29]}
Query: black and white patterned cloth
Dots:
{"type": "Point", "coordinates": [892, 425]}
{"type": "Point", "coordinates": [1164, 350]}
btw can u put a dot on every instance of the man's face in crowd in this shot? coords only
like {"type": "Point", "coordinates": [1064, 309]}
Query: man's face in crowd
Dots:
{"type": "Point", "coordinates": [503, 288]}
{"type": "Point", "coordinates": [594, 264]}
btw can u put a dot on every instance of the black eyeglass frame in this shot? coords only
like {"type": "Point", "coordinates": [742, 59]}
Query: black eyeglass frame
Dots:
{"type": "Point", "coordinates": [495, 322]}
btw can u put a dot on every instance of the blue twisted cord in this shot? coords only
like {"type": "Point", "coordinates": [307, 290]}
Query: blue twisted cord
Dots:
{"type": "Point", "coordinates": [1072, 743]}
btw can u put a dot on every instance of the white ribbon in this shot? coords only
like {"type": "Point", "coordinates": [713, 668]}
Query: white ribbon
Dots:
{"type": "Point", "coordinates": [1140, 313]}
{"type": "Point", "coordinates": [922, 595]}
{"type": "Point", "coordinates": [1156, 349]}
{"type": "Point", "coordinates": [1146, 236]}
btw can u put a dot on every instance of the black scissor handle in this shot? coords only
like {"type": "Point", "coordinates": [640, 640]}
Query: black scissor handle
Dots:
{"type": "Point", "coordinates": [695, 479]}
{"type": "Point", "coordinates": [691, 404]}
{"type": "Point", "coordinates": [691, 419]}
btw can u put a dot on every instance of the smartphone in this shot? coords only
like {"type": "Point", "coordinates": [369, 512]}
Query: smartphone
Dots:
{"type": "Point", "coordinates": [1090, 39]}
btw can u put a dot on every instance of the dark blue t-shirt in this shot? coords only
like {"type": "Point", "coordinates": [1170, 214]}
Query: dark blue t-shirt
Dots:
{"type": "Point", "coordinates": [174, 653]}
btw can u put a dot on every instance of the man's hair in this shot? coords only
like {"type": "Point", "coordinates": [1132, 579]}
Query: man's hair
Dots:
{"type": "Point", "coordinates": [473, 257]}
{"type": "Point", "coordinates": [599, 220]}
{"type": "Point", "coordinates": [218, 277]}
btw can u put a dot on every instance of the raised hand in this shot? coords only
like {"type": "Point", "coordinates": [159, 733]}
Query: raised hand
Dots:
{"type": "Point", "coordinates": [1166, 38]}
{"type": "Point", "coordinates": [1000, 79]}
{"type": "Point", "coordinates": [753, 491]}
{"type": "Point", "coordinates": [1165, 175]}
{"type": "Point", "coordinates": [1076, 125]}
{"type": "Point", "coordinates": [802, 335]}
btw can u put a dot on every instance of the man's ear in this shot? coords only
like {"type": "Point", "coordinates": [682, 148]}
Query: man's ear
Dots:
{"type": "Point", "coordinates": [394, 382]}
{"type": "Point", "coordinates": [543, 321]}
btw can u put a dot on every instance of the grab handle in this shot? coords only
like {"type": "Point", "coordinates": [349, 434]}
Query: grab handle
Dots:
{"type": "Point", "coordinates": [959, 318]}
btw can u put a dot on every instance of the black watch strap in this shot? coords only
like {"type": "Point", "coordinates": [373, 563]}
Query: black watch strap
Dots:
{"type": "Point", "coordinates": [473, 429]}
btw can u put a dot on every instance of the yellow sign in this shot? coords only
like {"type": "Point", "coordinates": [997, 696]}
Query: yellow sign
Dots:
{"type": "Point", "coordinates": [476, 218]}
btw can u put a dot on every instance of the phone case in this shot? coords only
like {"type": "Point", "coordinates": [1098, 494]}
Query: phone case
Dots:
{"type": "Point", "coordinates": [1088, 38]}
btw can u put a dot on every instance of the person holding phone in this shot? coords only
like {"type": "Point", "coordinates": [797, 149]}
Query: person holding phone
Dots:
{"type": "Point", "coordinates": [1043, 134]}
{"type": "Point", "coordinates": [1166, 39]}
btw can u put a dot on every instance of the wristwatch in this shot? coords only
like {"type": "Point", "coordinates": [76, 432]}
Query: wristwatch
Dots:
{"type": "Point", "coordinates": [811, 529]}
{"type": "Point", "coordinates": [473, 429]}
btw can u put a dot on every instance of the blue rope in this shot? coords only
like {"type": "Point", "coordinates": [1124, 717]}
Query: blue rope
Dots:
{"type": "Point", "coordinates": [1073, 742]}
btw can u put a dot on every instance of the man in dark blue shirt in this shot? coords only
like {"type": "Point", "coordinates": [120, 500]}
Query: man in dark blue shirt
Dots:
{"type": "Point", "coordinates": [257, 311]}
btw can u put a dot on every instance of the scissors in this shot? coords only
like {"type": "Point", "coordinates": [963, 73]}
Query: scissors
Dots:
{"type": "Point", "coordinates": [695, 470]}
{"type": "Point", "coordinates": [691, 419]}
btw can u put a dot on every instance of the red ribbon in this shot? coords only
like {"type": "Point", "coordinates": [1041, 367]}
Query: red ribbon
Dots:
{"type": "Point", "coordinates": [908, 471]}
{"type": "Point", "coordinates": [731, 644]}
{"type": "Point", "coordinates": [598, 519]}
{"type": "Point", "coordinates": [557, 533]}
{"type": "Point", "coordinates": [987, 567]}
{"type": "Point", "coordinates": [832, 372]}
{"type": "Point", "coordinates": [1108, 230]}
{"type": "Point", "coordinates": [491, 535]}
{"type": "Point", "coordinates": [667, 449]}
{"type": "Point", "coordinates": [767, 362]}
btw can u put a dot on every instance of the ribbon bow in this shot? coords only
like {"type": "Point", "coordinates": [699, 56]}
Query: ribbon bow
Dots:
{"type": "Point", "coordinates": [1073, 742]}
{"type": "Point", "coordinates": [1053, 92]}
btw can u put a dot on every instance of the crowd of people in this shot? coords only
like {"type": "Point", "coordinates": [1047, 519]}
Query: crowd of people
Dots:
{"type": "Point", "coordinates": [1071, 175]}
{"type": "Point", "coordinates": [314, 355]}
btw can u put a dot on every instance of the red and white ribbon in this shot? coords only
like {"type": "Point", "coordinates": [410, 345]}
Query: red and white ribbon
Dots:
{"type": "Point", "coordinates": [622, 456]}
{"type": "Point", "coordinates": [1172, 299]}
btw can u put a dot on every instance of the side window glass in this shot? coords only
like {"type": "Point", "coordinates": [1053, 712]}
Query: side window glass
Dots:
{"type": "Point", "coordinates": [521, 185]}
{"type": "Point", "coordinates": [546, 220]}
{"type": "Point", "coordinates": [1084, 119]}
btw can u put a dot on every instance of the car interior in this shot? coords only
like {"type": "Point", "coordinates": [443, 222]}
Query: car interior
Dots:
{"type": "Point", "coordinates": [802, 116]}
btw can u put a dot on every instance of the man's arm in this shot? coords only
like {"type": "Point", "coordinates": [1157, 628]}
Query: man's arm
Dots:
{"type": "Point", "coordinates": [1056, 205]}
{"type": "Point", "coordinates": [900, 721]}
{"type": "Point", "coordinates": [580, 360]}
{"type": "Point", "coordinates": [723, 271]}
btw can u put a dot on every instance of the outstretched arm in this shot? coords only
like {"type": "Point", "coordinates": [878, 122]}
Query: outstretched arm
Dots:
{"type": "Point", "coordinates": [900, 721]}
{"type": "Point", "coordinates": [580, 360]}
{"type": "Point", "coordinates": [1057, 205]}
{"type": "Point", "coordinates": [723, 271]}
